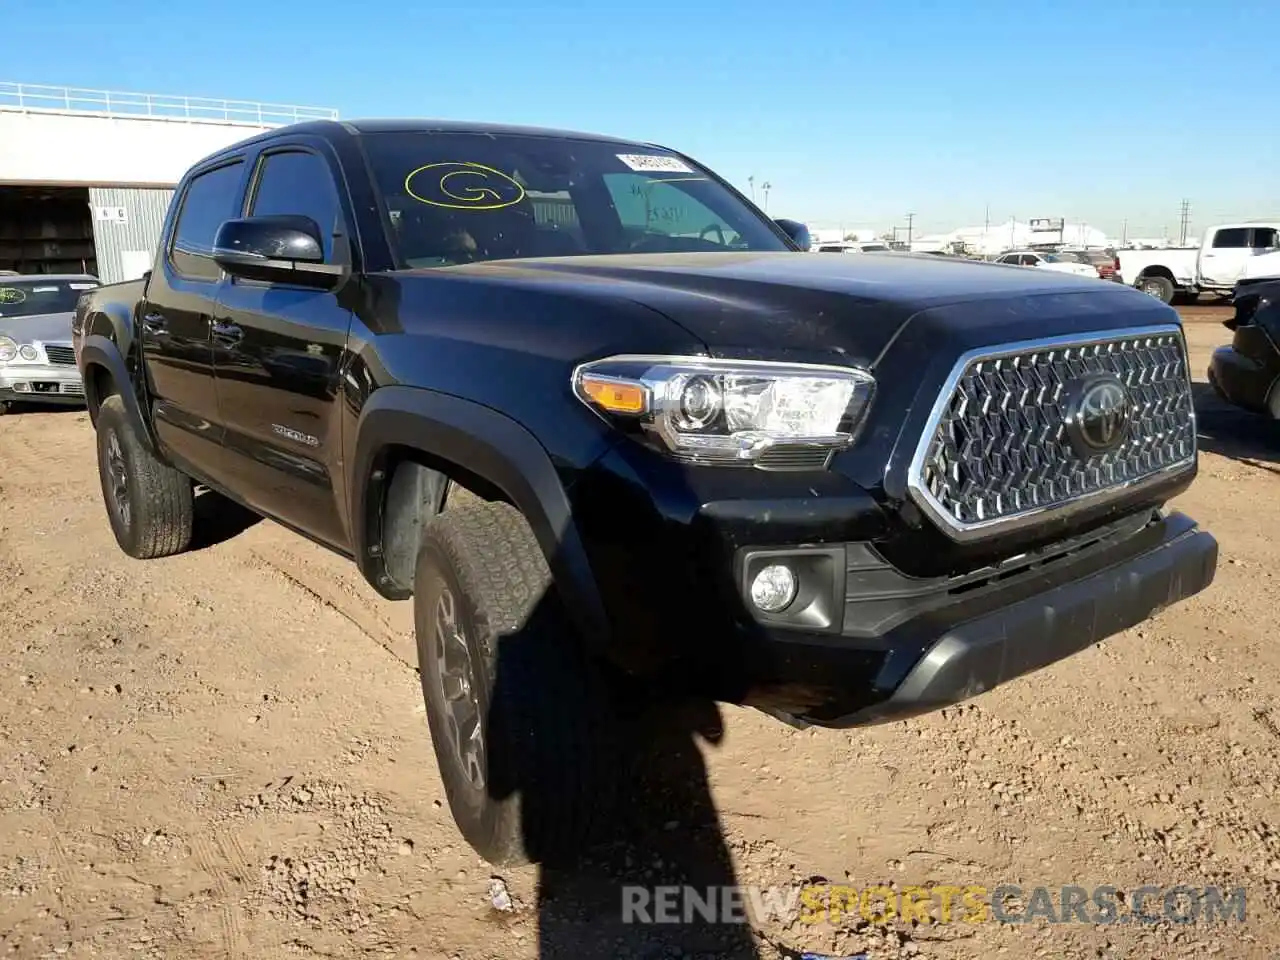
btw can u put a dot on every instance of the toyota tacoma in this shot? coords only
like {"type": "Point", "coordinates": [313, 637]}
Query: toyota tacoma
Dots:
{"type": "Point", "coordinates": [616, 435]}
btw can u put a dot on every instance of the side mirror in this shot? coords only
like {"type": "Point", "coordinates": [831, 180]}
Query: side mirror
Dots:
{"type": "Point", "coordinates": [798, 233]}
{"type": "Point", "coordinates": [287, 249]}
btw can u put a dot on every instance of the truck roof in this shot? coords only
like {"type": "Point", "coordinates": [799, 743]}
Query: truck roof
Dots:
{"type": "Point", "coordinates": [357, 127]}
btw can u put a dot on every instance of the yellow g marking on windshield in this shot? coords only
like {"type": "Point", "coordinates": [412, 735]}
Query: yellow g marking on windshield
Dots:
{"type": "Point", "coordinates": [12, 295]}
{"type": "Point", "coordinates": [463, 186]}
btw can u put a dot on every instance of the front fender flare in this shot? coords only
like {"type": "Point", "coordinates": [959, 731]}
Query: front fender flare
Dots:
{"type": "Point", "coordinates": [99, 351]}
{"type": "Point", "coordinates": [495, 448]}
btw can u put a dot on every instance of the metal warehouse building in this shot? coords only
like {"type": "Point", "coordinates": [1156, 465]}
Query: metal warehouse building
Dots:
{"type": "Point", "coordinates": [86, 176]}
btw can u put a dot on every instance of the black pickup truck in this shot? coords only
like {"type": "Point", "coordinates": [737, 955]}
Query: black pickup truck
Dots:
{"type": "Point", "coordinates": [617, 436]}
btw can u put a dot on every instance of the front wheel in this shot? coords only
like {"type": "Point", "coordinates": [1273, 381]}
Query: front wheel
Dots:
{"type": "Point", "coordinates": [521, 722]}
{"type": "Point", "coordinates": [1159, 287]}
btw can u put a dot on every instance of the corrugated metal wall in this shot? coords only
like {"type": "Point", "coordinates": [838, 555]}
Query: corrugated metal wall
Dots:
{"type": "Point", "coordinates": [126, 229]}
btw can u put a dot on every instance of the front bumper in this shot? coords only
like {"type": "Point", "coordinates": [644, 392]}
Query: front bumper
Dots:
{"type": "Point", "coordinates": [864, 641]}
{"type": "Point", "coordinates": [975, 655]}
{"type": "Point", "coordinates": [41, 383]}
{"type": "Point", "coordinates": [943, 647]}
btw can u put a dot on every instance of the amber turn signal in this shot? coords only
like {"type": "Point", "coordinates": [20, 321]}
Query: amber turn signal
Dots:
{"type": "Point", "coordinates": [615, 396]}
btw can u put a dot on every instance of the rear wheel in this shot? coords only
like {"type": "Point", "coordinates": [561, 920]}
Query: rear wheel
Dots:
{"type": "Point", "coordinates": [1159, 287]}
{"type": "Point", "coordinates": [520, 717]}
{"type": "Point", "coordinates": [149, 503]}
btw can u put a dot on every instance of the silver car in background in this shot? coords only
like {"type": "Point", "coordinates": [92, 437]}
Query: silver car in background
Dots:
{"type": "Point", "coordinates": [37, 361]}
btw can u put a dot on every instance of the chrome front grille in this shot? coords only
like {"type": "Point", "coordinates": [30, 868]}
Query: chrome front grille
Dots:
{"type": "Point", "coordinates": [60, 355]}
{"type": "Point", "coordinates": [1003, 445]}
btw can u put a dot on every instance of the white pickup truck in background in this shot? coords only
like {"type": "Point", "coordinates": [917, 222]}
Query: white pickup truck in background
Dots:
{"type": "Point", "coordinates": [1223, 257]}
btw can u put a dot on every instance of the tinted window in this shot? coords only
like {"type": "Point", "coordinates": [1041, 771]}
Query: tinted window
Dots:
{"type": "Point", "coordinates": [1232, 237]}
{"type": "Point", "coordinates": [29, 298]}
{"type": "Point", "coordinates": [456, 197]}
{"type": "Point", "coordinates": [211, 199]}
{"type": "Point", "coordinates": [300, 184]}
{"type": "Point", "coordinates": [1264, 237]}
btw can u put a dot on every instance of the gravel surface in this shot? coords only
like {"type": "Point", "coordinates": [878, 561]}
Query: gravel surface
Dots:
{"type": "Point", "coordinates": [225, 754]}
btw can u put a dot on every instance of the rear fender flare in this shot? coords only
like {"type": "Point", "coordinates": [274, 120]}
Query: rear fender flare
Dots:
{"type": "Point", "coordinates": [98, 351]}
{"type": "Point", "coordinates": [493, 447]}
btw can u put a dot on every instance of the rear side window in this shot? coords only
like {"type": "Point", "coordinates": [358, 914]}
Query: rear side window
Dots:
{"type": "Point", "coordinates": [211, 198]}
{"type": "Point", "coordinates": [299, 183]}
{"type": "Point", "coordinates": [1233, 237]}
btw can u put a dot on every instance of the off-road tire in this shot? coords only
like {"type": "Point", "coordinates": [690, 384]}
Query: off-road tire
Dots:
{"type": "Point", "coordinates": [549, 726]}
{"type": "Point", "coordinates": [1163, 285]}
{"type": "Point", "coordinates": [160, 499]}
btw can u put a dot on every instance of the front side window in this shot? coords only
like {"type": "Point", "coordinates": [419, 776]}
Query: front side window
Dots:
{"type": "Point", "coordinates": [1233, 237]}
{"type": "Point", "coordinates": [33, 297]}
{"type": "Point", "coordinates": [453, 198]}
{"type": "Point", "coordinates": [1264, 238]}
{"type": "Point", "coordinates": [211, 199]}
{"type": "Point", "coordinates": [299, 183]}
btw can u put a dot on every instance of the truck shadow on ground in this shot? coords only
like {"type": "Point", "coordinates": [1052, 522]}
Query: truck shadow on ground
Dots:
{"type": "Point", "coordinates": [1237, 434]}
{"type": "Point", "coordinates": [218, 520]}
{"type": "Point", "coordinates": [666, 833]}
{"type": "Point", "coordinates": [663, 831]}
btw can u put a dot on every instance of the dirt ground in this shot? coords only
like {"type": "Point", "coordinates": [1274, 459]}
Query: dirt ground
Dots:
{"type": "Point", "coordinates": [225, 754]}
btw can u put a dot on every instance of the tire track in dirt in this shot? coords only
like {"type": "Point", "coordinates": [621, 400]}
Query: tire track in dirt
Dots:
{"type": "Point", "coordinates": [210, 855]}
{"type": "Point", "coordinates": [328, 591]}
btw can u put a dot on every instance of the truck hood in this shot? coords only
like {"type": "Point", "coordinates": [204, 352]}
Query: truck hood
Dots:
{"type": "Point", "coordinates": [811, 306]}
{"type": "Point", "coordinates": [39, 328]}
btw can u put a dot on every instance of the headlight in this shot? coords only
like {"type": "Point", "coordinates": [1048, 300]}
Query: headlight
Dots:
{"type": "Point", "coordinates": [28, 352]}
{"type": "Point", "coordinates": [8, 349]}
{"type": "Point", "coordinates": [730, 411]}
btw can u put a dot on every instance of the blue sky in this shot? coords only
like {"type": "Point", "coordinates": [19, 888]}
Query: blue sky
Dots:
{"type": "Point", "coordinates": [857, 113]}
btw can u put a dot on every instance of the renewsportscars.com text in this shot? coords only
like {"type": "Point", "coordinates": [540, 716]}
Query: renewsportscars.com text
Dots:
{"type": "Point", "coordinates": [944, 903]}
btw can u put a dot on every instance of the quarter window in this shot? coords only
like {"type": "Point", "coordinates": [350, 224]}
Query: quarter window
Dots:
{"type": "Point", "coordinates": [211, 199]}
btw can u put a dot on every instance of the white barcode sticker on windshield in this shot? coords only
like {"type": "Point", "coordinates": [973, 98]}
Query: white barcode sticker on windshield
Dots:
{"type": "Point", "coordinates": [651, 163]}
{"type": "Point", "coordinates": [82, 286]}
{"type": "Point", "coordinates": [44, 289]}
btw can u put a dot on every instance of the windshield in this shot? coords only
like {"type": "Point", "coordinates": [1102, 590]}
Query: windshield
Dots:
{"type": "Point", "coordinates": [30, 296]}
{"type": "Point", "coordinates": [455, 198]}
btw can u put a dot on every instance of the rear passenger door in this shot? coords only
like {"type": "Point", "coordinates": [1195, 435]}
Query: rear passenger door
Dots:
{"type": "Point", "coordinates": [176, 318]}
{"type": "Point", "coordinates": [279, 351]}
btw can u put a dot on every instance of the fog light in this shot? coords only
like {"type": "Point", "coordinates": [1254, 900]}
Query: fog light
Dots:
{"type": "Point", "coordinates": [773, 588]}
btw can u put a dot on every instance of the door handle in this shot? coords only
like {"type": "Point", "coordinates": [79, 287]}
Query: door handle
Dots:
{"type": "Point", "coordinates": [227, 332]}
{"type": "Point", "coordinates": [154, 323]}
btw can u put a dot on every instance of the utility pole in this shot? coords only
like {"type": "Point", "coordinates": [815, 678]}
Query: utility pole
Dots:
{"type": "Point", "coordinates": [751, 182]}
{"type": "Point", "coordinates": [1124, 233]}
{"type": "Point", "coordinates": [910, 218]}
{"type": "Point", "coordinates": [1186, 219]}
{"type": "Point", "coordinates": [986, 220]}
{"type": "Point", "coordinates": [766, 187]}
